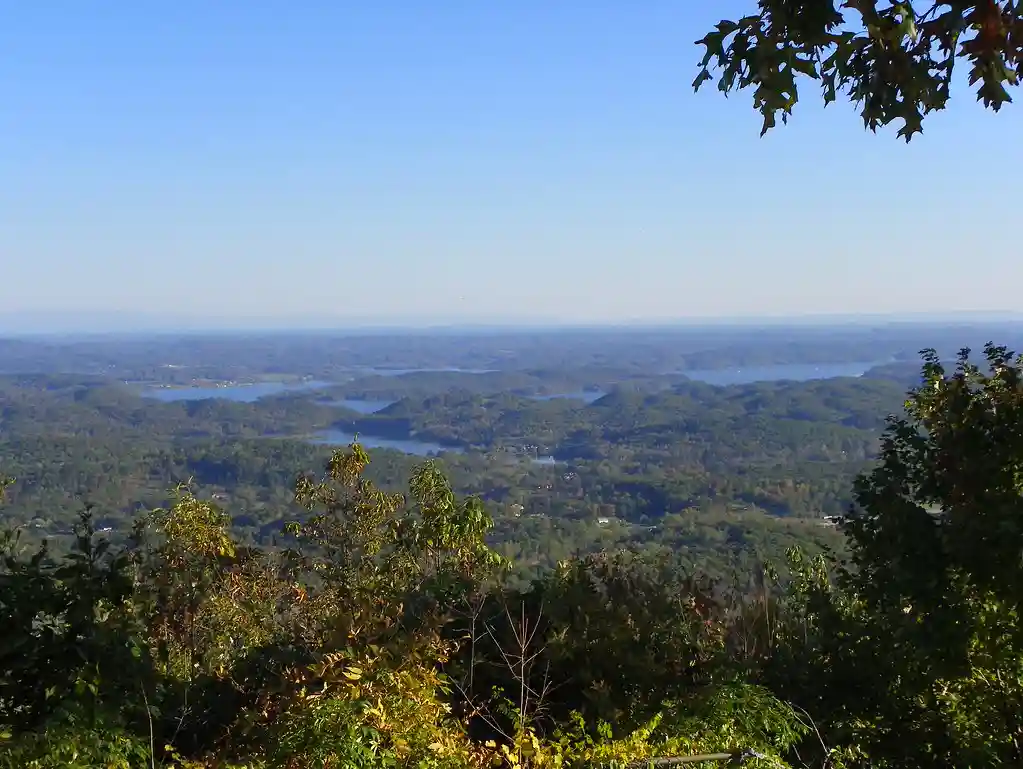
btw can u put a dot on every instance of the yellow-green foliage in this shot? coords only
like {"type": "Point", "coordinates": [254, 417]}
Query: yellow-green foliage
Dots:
{"type": "Point", "coordinates": [735, 720]}
{"type": "Point", "coordinates": [326, 654]}
{"type": "Point", "coordinates": [371, 710]}
{"type": "Point", "coordinates": [69, 746]}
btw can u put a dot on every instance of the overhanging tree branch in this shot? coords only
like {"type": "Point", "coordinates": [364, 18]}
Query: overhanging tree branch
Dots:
{"type": "Point", "coordinates": [892, 59]}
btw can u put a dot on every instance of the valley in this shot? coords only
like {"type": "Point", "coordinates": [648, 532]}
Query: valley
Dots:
{"type": "Point", "coordinates": [727, 451]}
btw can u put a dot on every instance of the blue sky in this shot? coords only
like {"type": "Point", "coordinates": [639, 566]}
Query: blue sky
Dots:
{"type": "Point", "coordinates": [448, 161]}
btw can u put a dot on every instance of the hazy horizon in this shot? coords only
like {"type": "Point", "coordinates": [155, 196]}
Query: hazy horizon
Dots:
{"type": "Point", "coordinates": [120, 324]}
{"type": "Point", "coordinates": [527, 163]}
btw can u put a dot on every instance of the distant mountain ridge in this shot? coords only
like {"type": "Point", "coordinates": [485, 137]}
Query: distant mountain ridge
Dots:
{"type": "Point", "coordinates": [87, 322]}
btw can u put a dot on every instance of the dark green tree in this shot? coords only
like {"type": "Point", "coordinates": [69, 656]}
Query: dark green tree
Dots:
{"type": "Point", "coordinates": [916, 660]}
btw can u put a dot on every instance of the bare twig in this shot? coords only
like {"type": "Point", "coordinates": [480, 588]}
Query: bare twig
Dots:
{"type": "Point", "coordinates": [816, 731]}
{"type": "Point", "coordinates": [149, 717]}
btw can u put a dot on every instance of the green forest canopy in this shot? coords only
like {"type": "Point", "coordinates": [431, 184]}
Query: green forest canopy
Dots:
{"type": "Point", "coordinates": [382, 632]}
{"type": "Point", "coordinates": [894, 60]}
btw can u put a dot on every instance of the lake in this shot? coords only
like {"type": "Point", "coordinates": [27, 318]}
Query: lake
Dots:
{"type": "Point", "coordinates": [360, 406]}
{"type": "Point", "coordinates": [248, 393]}
{"type": "Point", "coordinates": [406, 445]}
{"type": "Point", "coordinates": [548, 461]}
{"type": "Point", "coordinates": [374, 371]}
{"type": "Point", "coordinates": [586, 396]}
{"type": "Point", "coordinates": [240, 393]}
{"type": "Point", "coordinates": [800, 372]}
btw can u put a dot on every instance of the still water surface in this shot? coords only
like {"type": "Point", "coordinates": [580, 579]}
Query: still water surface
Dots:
{"type": "Point", "coordinates": [799, 372]}
{"type": "Point", "coordinates": [586, 396]}
{"type": "Point", "coordinates": [248, 393]}
{"type": "Point", "coordinates": [407, 445]}
{"type": "Point", "coordinates": [360, 406]}
{"type": "Point", "coordinates": [241, 393]}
